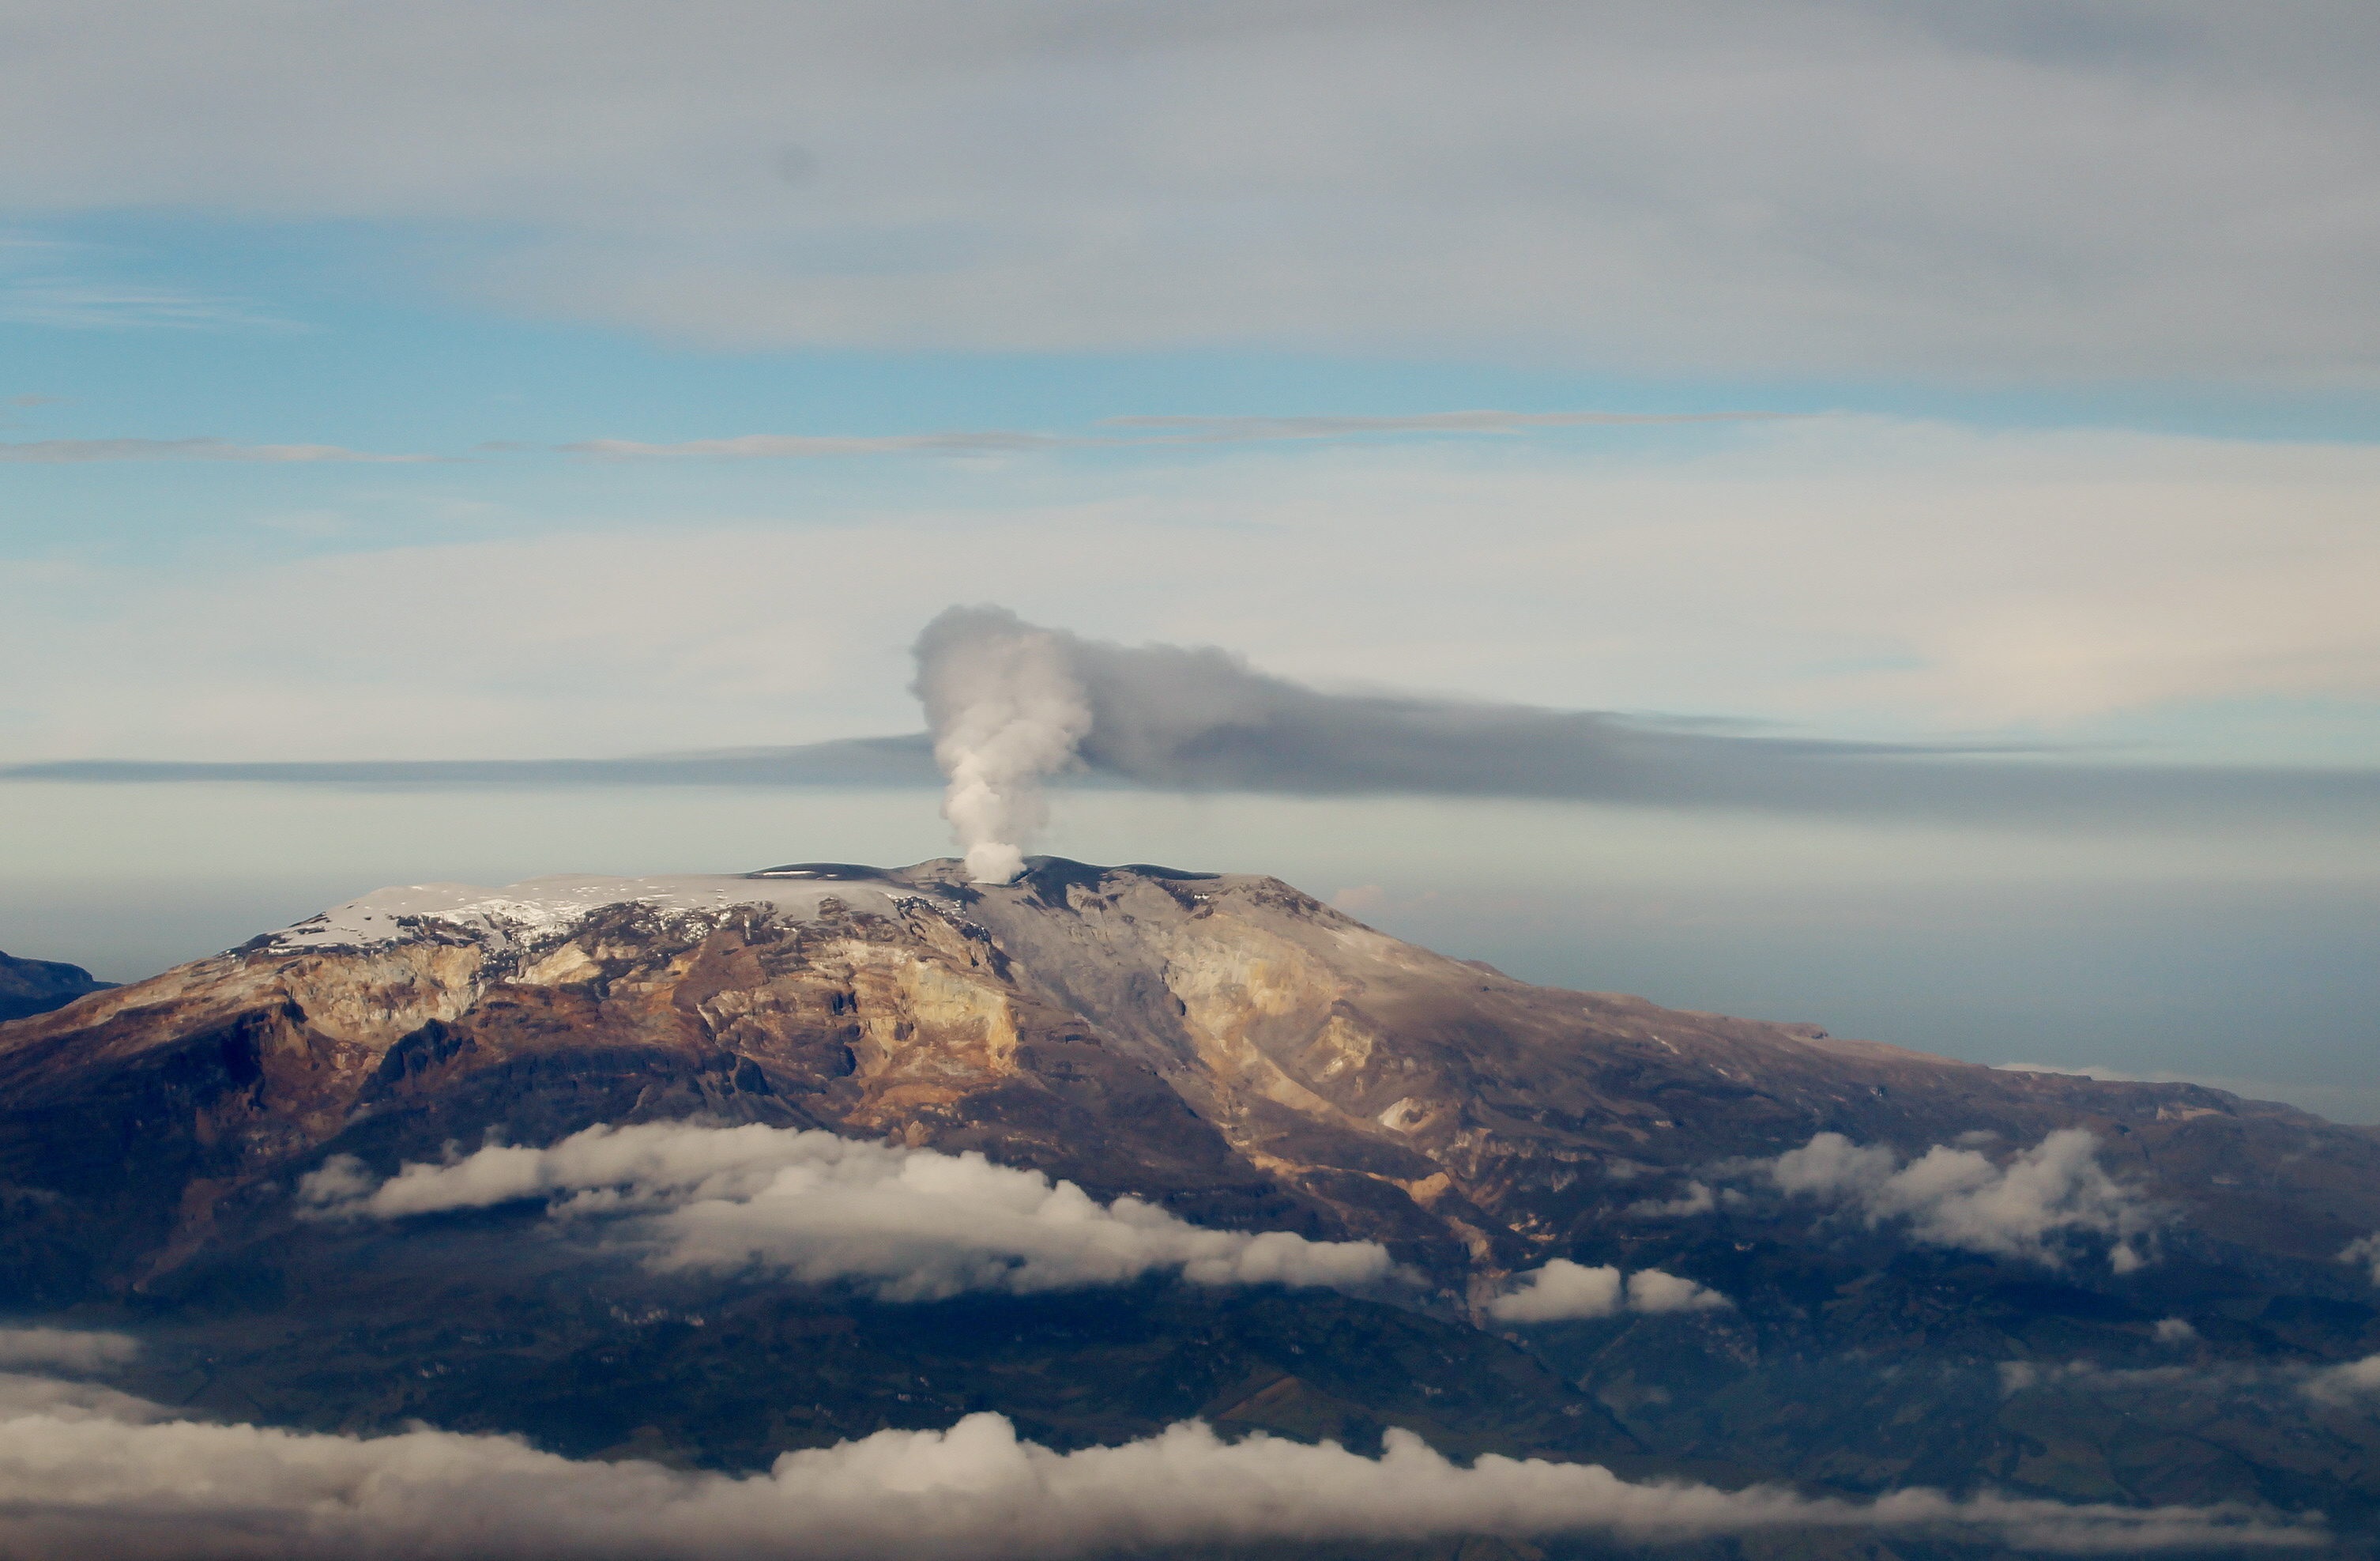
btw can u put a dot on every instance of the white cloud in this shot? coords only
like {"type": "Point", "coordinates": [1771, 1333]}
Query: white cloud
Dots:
{"type": "Point", "coordinates": [1563, 1291]}
{"type": "Point", "coordinates": [903, 1224]}
{"type": "Point", "coordinates": [1625, 184]}
{"type": "Point", "coordinates": [2364, 1251]}
{"type": "Point", "coordinates": [2174, 1330]}
{"type": "Point", "coordinates": [1697, 1199]}
{"type": "Point", "coordinates": [83, 1477]}
{"type": "Point", "coordinates": [2355, 1382]}
{"type": "Point", "coordinates": [1960, 1198]}
{"type": "Point", "coordinates": [65, 1349]}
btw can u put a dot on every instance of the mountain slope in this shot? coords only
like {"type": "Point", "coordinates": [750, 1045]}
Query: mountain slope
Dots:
{"type": "Point", "coordinates": [1226, 1046]}
{"type": "Point", "coordinates": [1244, 1058]}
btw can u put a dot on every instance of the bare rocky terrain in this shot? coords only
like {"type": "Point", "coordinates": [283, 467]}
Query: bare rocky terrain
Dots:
{"type": "Point", "coordinates": [1239, 1054]}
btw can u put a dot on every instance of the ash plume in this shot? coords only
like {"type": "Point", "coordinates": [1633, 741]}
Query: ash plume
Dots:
{"type": "Point", "coordinates": [1006, 712]}
{"type": "Point", "coordinates": [1010, 704]}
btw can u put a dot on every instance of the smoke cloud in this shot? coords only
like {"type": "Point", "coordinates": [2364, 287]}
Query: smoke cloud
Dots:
{"type": "Point", "coordinates": [1012, 705]}
{"type": "Point", "coordinates": [1006, 712]}
{"type": "Point", "coordinates": [90, 1477]}
{"type": "Point", "coordinates": [1959, 1198]}
{"type": "Point", "coordinates": [1563, 1291]}
{"type": "Point", "coordinates": [903, 1225]}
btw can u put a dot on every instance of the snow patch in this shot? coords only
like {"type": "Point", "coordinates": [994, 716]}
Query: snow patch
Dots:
{"type": "Point", "coordinates": [543, 911]}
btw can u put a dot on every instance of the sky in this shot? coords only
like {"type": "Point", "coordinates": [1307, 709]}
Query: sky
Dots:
{"type": "Point", "coordinates": [451, 382]}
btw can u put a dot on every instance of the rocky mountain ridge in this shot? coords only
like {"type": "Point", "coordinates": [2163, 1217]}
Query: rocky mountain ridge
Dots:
{"type": "Point", "coordinates": [1226, 1046]}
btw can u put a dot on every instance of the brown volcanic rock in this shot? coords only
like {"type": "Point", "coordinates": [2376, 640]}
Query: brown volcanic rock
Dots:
{"type": "Point", "coordinates": [1224, 1046]}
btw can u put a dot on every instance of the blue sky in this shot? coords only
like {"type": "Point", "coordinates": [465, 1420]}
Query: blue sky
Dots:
{"type": "Point", "coordinates": [2065, 315]}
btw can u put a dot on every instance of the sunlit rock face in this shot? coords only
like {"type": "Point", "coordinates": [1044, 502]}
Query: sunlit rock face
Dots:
{"type": "Point", "coordinates": [1225, 1046]}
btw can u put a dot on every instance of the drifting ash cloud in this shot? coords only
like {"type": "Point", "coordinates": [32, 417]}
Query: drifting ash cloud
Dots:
{"type": "Point", "coordinates": [902, 1225]}
{"type": "Point", "coordinates": [88, 1473]}
{"type": "Point", "coordinates": [1014, 707]}
{"type": "Point", "coordinates": [1958, 1198]}
{"type": "Point", "coordinates": [1012, 704]}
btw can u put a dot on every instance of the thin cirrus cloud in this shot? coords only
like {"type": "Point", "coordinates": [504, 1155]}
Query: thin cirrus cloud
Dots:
{"type": "Point", "coordinates": [900, 1224]}
{"type": "Point", "coordinates": [77, 452]}
{"type": "Point", "coordinates": [1133, 432]}
{"type": "Point", "coordinates": [1146, 431]}
{"type": "Point", "coordinates": [86, 1472]}
{"type": "Point", "coordinates": [1259, 430]}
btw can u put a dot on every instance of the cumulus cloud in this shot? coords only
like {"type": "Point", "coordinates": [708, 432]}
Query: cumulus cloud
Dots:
{"type": "Point", "coordinates": [1563, 1291]}
{"type": "Point", "coordinates": [2353, 1383]}
{"type": "Point", "coordinates": [1960, 1198]}
{"type": "Point", "coordinates": [87, 1478]}
{"type": "Point", "coordinates": [65, 1349]}
{"type": "Point", "coordinates": [900, 1224]}
{"type": "Point", "coordinates": [2366, 1254]}
{"type": "Point", "coordinates": [1697, 1199]}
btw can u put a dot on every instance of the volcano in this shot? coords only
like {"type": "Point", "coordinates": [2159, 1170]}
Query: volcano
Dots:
{"type": "Point", "coordinates": [1869, 1267]}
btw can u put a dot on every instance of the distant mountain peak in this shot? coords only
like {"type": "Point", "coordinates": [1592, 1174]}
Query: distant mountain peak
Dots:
{"type": "Point", "coordinates": [38, 986]}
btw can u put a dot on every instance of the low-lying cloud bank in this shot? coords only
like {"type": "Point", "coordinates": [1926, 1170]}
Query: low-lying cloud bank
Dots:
{"type": "Point", "coordinates": [2348, 1384]}
{"type": "Point", "coordinates": [1959, 1198]}
{"type": "Point", "coordinates": [64, 1350]}
{"type": "Point", "coordinates": [84, 1473]}
{"type": "Point", "coordinates": [1563, 1291]}
{"type": "Point", "coordinates": [903, 1225]}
